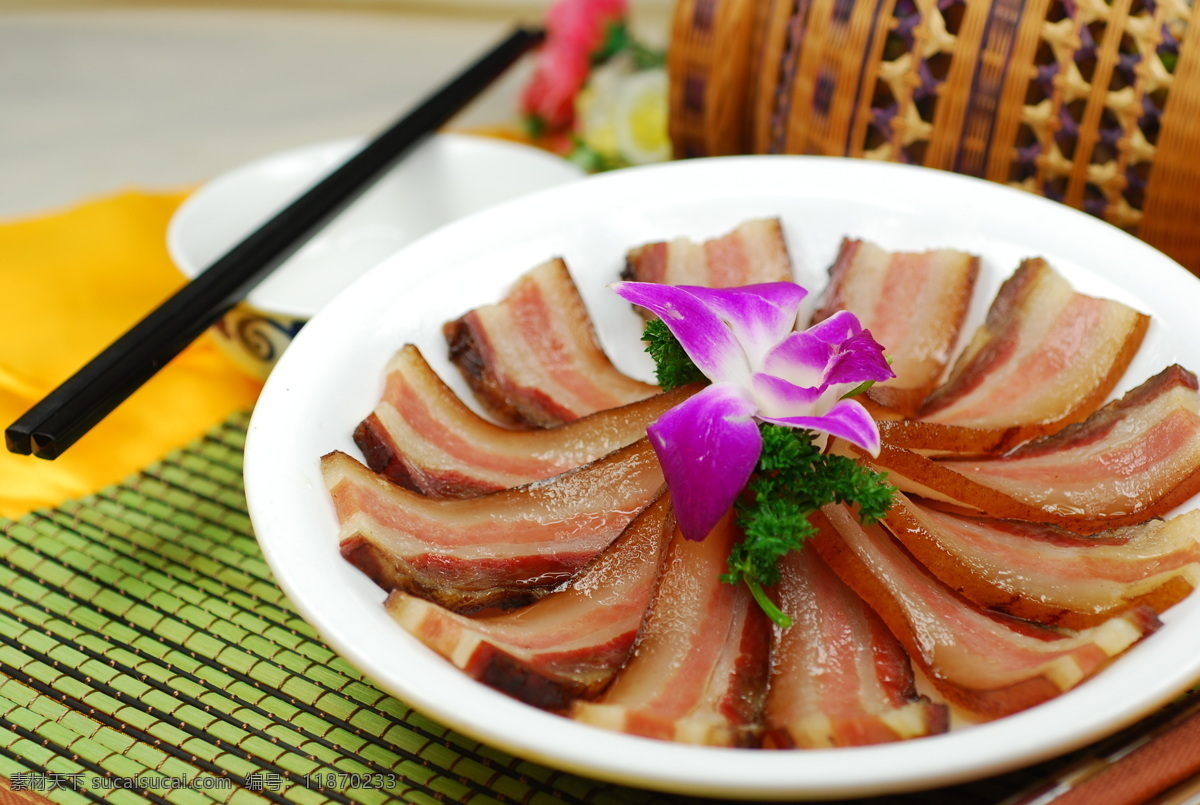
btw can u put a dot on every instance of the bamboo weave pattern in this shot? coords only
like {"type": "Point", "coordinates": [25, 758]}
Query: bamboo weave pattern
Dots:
{"type": "Point", "coordinates": [1092, 103]}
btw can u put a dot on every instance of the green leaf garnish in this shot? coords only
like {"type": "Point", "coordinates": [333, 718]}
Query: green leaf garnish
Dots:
{"type": "Point", "coordinates": [793, 479]}
{"type": "Point", "coordinates": [672, 366]}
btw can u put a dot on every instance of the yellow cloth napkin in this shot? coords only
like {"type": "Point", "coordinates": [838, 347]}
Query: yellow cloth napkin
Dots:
{"type": "Point", "coordinates": [73, 282]}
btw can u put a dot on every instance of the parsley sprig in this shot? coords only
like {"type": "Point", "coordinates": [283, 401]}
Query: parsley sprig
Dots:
{"type": "Point", "coordinates": [792, 480]}
{"type": "Point", "coordinates": [672, 366]}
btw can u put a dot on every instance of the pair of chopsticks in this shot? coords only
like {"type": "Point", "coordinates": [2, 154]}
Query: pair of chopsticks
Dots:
{"type": "Point", "coordinates": [71, 410]}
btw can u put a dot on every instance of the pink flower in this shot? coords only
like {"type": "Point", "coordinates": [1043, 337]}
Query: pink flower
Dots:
{"type": "Point", "coordinates": [762, 370]}
{"type": "Point", "coordinates": [583, 23]}
{"type": "Point", "coordinates": [575, 29]}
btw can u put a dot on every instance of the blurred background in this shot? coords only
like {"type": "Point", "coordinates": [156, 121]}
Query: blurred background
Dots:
{"type": "Point", "coordinates": [98, 97]}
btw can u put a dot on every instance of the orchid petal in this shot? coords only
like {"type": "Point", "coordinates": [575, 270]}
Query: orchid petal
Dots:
{"type": "Point", "coordinates": [801, 359]}
{"type": "Point", "coordinates": [699, 329]}
{"type": "Point", "coordinates": [708, 445]}
{"type": "Point", "coordinates": [837, 328]}
{"type": "Point", "coordinates": [759, 315]}
{"type": "Point", "coordinates": [777, 397]}
{"type": "Point", "coordinates": [859, 358]}
{"type": "Point", "coordinates": [833, 352]}
{"type": "Point", "coordinates": [847, 419]}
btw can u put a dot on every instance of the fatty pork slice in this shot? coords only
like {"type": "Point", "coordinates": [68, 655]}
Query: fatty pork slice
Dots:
{"type": "Point", "coordinates": [1135, 458]}
{"type": "Point", "coordinates": [502, 549]}
{"type": "Point", "coordinates": [698, 671]}
{"type": "Point", "coordinates": [1042, 573]}
{"type": "Point", "coordinates": [1046, 356]}
{"type": "Point", "coordinates": [423, 437]}
{"type": "Point", "coordinates": [838, 676]}
{"type": "Point", "coordinates": [566, 645]}
{"type": "Point", "coordinates": [754, 252]}
{"type": "Point", "coordinates": [533, 359]}
{"type": "Point", "coordinates": [913, 304]}
{"type": "Point", "coordinates": [984, 663]}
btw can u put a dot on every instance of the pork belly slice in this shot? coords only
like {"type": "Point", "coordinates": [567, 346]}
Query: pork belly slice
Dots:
{"type": "Point", "coordinates": [985, 663]}
{"type": "Point", "coordinates": [752, 253]}
{"type": "Point", "coordinates": [936, 440]}
{"type": "Point", "coordinates": [699, 668]}
{"type": "Point", "coordinates": [838, 676]}
{"type": "Point", "coordinates": [1042, 573]}
{"type": "Point", "coordinates": [566, 645]}
{"type": "Point", "coordinates": [423, 437]}
{"type": "Point", "coordinates": [1045, 356]}
{"type": "Point", "coordinates": [1135, 458]}
{"type": "Point", "coordinates": [913, 303]}
{"type": "Point", "coordinates": [533, 359]}
{"type": "Point", "coordinates": [501, 549]}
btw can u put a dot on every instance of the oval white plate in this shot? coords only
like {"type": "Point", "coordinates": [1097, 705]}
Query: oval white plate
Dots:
{"type": "Point", "coordinates": [332, 377]}
{"type": "Point", "coordinates": [447, 177]}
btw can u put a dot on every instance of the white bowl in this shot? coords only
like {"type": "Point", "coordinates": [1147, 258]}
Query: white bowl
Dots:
{"type": "Point", "coordinates": [442, 180]}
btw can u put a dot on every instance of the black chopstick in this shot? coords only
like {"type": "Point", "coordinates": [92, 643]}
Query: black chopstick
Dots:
{"type": "Point", "coordinates": [72, 409]}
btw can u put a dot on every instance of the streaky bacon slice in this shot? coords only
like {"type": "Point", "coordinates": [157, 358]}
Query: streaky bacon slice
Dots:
{"type": "Point", "coordinates": [1136, 458]}
{"type": "Point", "coordinates": [984, 663]}
{"type": "Point", "coordinates": [1041, 573]}
{"type": "Point", "coordinates": [1046, 356]}
{"type": "Point", "coordinates": [936, 440]}
{"type": "Point", "coordinates": [838, 676]}
{"type": "Point", "coordinates": [754, 252]}
{"type": "Point", "coordinates": [564, 646]}
{"type": "Point", "coordinates": [503, 549]}
{"type": "Point", "coordinates": [533, 359]}
{"type": "Point", "coordinates": [423, 437]}
{"type": "Point", "coordinates": [699, 667]}
{"type": "Point", "coordinates": [913, 303]}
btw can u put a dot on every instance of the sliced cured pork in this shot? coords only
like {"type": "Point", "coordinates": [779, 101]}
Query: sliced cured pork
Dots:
{"type": "Point", "coordinates": [754, 252]}
{"type": "Point", "coordinates": [1042, 573]}
{"type": "Point", "coordinates": [936, 440]}
{"type": "Point", "coordinates": [913, 303]}
{"type": "Point", "coordinates": [984, 663]}
{"type": "Point", "coordinates": [699, 667]}
{"type": "Point", "coordinates": [501, 549]}
{"type": "Point", "coordinates": [1135, 458]}
{"type": "Point", "coordinates": [534, 360]}
{"type": "Point", "coordinates": [566, 645]}
{"type": "Point", "coordinates": [838, 676]}
{"type": "Point", "coordinates": [1045, 356]}
{"type": "Point", "coordinates": [423, 437]}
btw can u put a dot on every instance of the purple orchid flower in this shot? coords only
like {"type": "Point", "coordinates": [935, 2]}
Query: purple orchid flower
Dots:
{"type": "Point", "coordinates": [762, 370]}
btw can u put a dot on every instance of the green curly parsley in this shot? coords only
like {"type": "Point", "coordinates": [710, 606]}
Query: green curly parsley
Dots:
{"type": "Point", "coordinates": [792, 480]}
{"type": "Point", "coordinates": [672, 366]}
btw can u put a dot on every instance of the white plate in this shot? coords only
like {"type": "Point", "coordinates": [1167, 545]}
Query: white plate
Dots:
{"type": "Point", "coordinates": [332, 377]}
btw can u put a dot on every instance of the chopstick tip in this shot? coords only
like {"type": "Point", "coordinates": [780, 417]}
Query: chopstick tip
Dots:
{"type": "Point", "coordinates": [17, 441]}
{"type": "Point", "coordinates": [47, 447]}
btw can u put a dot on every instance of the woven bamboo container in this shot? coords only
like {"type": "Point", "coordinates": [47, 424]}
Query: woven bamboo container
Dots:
{"type": "Point", "coordinates": [1090, 103]}
{"type": "Point", "coordinates": [710, 78]}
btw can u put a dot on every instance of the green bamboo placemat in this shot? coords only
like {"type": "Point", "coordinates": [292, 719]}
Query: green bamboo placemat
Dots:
{"type": "Point", "coordinates": [145, 645]}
